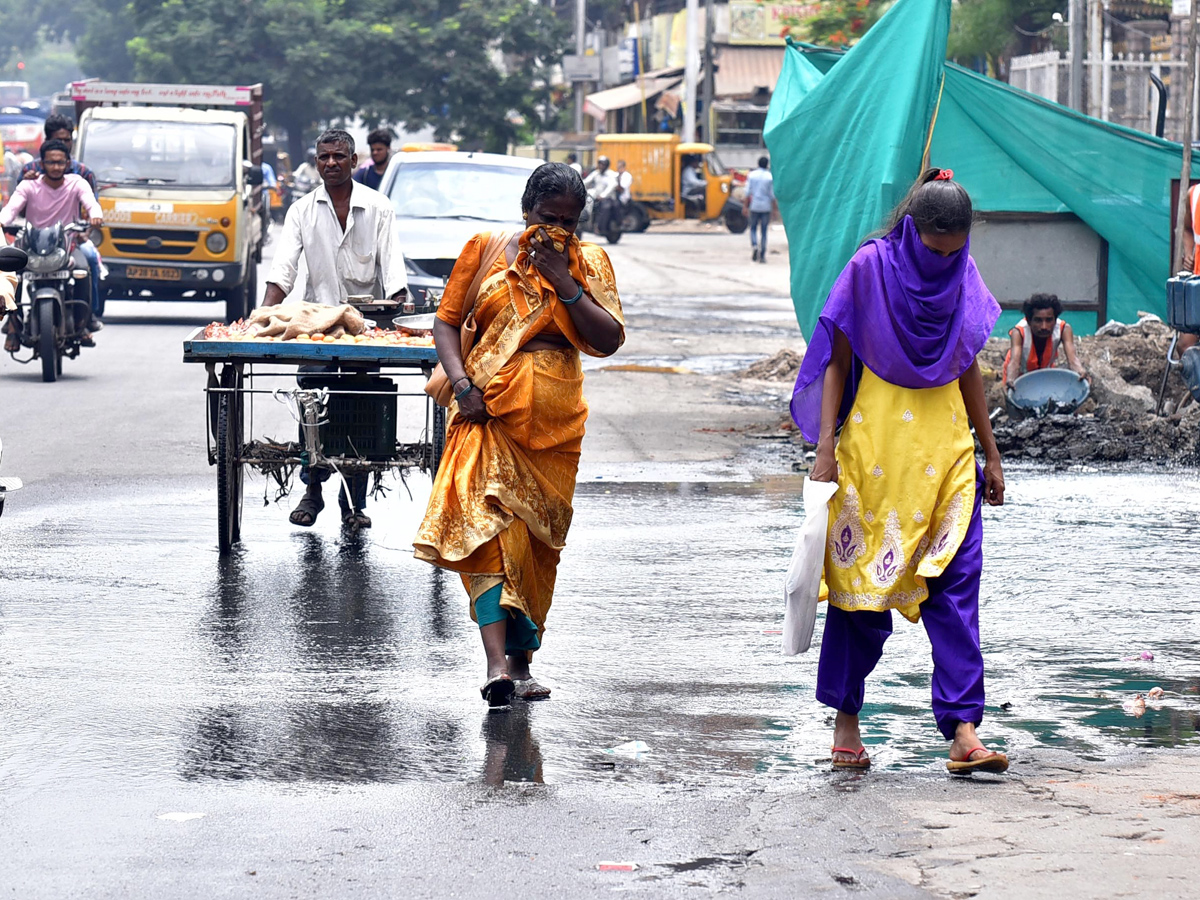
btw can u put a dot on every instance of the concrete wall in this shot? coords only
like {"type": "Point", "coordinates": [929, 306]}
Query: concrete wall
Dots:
{"type": "Point", "coordinates": [1053, 256]}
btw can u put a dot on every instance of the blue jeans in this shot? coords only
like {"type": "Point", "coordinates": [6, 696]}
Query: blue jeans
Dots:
{"type": "Point", "coordinates": [92, 255]}
{"type": "Point", "coordinates": [759, 222]}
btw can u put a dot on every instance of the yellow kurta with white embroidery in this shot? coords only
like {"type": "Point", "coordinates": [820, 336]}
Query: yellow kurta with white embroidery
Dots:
{"type": "Point", "coordinates": [906, 493]}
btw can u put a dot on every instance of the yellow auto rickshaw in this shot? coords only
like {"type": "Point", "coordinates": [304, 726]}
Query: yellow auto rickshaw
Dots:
{"type": "Point", "coordinates": [656, 162]}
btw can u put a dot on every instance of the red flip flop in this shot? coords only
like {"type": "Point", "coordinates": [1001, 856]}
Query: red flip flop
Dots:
{"type": "Point", "coordinates": [989, 762]}
{"type": "Point", "coordinates": [860, 761]}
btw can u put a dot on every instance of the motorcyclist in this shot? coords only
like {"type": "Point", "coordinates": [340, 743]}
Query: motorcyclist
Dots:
{"type": "Point", "coordinates": [60, 128]}
{"type": "Point", "coordinates": [308, 170]}
{"type": "Point", "coordinates": [53, 198]}
{"type": "Point", "coordinates": [602, 185]}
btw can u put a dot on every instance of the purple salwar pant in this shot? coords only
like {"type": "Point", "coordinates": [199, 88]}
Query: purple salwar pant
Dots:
{"type": "Point", "coordinates": [853, 641]}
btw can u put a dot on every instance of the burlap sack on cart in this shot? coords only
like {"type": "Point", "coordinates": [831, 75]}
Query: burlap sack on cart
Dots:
{"type": "Point", "coordinates": [287, 320]}
{"type": "Point", "coordinates": [802, 587]}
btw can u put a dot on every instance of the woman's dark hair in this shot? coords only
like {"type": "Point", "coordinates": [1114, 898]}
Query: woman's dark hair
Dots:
{"type": "Point", "coordinates": [50, 146]}
{"type": "Point", "coordinates": [937, 205]}
{"type": "Point", "coordinates": [1041, 301]}
{"type": "Point", "coordinates": [57, 123]}
{"type": "Point", "coordinates": [380, 136]}
{"type": "Point", "coordinates": [553, 180]}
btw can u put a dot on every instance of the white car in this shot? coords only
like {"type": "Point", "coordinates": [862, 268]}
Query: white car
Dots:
{"type": "Point", "coordinates": [443, 199]}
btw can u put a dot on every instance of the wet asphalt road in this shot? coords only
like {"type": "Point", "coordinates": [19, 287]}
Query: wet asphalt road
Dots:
{"type": "Point", "coordinates": [302, 720]}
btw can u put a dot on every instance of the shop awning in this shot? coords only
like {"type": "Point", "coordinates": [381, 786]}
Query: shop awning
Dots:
{"type": "Point", "coordinates": [744, 71]}
{"type": "Point", "coordinates": [623, 96]}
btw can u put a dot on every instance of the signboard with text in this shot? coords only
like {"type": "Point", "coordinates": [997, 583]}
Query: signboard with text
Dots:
{"type": "Point", "coordinates": [753, 22]}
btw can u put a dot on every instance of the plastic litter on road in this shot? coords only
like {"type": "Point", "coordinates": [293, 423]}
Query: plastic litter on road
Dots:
{"type": "Point", "coordinates": [617, 866]}
{"type": "Point", "coordinates": [634, 749]}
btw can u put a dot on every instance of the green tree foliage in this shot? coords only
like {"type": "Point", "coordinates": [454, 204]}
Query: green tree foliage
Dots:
{"type": "Point", "coordinates": [472, 69]}
{"type": "Point", "coordinates": [993, 29]}
{"type": "Point", "coordinates": [840, 23]}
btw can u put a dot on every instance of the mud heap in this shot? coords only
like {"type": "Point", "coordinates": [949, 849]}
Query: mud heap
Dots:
{"type": "Point", "coordinates": [1118, 422]}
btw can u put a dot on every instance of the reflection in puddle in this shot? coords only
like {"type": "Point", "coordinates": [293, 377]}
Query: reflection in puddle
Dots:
{"type": "Point", "coordinates": [310, 658]}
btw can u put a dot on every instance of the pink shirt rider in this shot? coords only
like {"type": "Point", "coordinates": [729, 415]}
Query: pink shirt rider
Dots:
{"type": "Point", "coordinates": [44, 205]}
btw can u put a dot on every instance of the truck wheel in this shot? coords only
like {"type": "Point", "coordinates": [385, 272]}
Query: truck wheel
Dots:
{"type": "Point", "coordinates": [735, 219]}
{"type": "Point", "coordinates": [241, 300]}
{"type": "Point", "coordinates": [47, 345]}
{"type": "Point", "coordinates": [614, 233]}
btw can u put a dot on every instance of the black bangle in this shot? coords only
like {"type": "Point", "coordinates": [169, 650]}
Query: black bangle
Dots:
{"type": "Point", "coordinates": [464, 391]}
{"type": "Point", "coordinates": [574, 299]}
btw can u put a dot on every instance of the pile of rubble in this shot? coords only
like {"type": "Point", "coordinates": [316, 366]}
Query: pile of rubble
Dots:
{"type": "Point", "coordinates": [1118, 423]}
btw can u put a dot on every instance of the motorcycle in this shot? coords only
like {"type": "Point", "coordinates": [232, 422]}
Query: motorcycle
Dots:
{"type": "Point", "coordinates": [603, 217]}
{"type": "Point", "coordinates": [11, 260]}
{"type": "Point", "coordinates": [54, 296]}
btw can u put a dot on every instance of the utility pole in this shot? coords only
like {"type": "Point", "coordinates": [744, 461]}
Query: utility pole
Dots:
{"type": "Point", "coordinates": [580, 48]}
{"type": "Point", "coordinates": [709, 118]}
{"type": "Point", "coordinates": [1095, 42]}
{"type": "Point", "coordinates": [1185, 177]}
{"type": "Point", "coordinates": [691, 70]}
{"type": "Point", "coordinates": [1077, 36]}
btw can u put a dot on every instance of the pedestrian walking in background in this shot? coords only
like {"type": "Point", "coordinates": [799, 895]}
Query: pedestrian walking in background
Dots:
{"type": "Point", "coordinates": [758, 206]}
{"type": "Point", "coordinates": [892, 362]}
{"type": "Point", "coordinates": [371, 172]}
{"type": "Point", "coordinates": [573, 162]}
{"type": "Point", "coordinates": [501, 501]}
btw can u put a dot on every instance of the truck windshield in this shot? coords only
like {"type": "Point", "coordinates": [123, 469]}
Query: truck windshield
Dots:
{"type": "Point", "coordinates": [179, 154]}
{"type": "Point", "coordinates": [448, 190]}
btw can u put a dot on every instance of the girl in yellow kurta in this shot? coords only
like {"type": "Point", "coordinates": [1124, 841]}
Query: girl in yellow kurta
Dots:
{"type": "Point", "coordinates": [501, 501]}
{"type": "Point", "coordinates": [893, 362]}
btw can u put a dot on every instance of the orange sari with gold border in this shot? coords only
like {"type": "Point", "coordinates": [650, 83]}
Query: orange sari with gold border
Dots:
{"type": "Point", "coordinates": [501, 502]}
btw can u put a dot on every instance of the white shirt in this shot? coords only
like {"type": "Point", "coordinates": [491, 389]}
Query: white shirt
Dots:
{"type": "Point", "coordinates": [624, 183]}
{"type": "Point", "coordinates": [363, 259]}
{"type": "Point", "coordinates": [601, 184]}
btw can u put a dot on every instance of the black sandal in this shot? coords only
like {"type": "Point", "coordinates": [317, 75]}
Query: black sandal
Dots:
{"type": "Point", "coordinates": [308, 506]}
{"type": "Point", "coordinates": [498, 693]}
{"type": "Point", "coordinates": [355, 521]}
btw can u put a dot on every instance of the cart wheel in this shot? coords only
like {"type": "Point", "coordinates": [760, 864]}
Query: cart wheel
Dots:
{"type": "Point", "coordinates": [437, 440]}
{"type": "Point", "coordinates": [229, 468]}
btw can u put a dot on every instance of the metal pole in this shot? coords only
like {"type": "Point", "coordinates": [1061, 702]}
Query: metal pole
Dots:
{"type": "Point", "coordinates": [1106, 51]}
{"type": "Point", "coordinates": [691, 70]}
{"type": "Point", "coordinates": [1095, 39]}
{"type": "Point", "coordinates": [641, 67]}
{"type": "Point", "coordinates": [1077, 35]}
{"type": "Point", "coordinates": [709, 118]}
{"type": "Point", "coordinates": [580, 47]}
{"type": "Point", "coordinates": [1185, 177]}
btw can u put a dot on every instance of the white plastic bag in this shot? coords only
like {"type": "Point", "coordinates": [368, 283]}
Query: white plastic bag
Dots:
{"type": "Point", "coordinates": [802, 586]}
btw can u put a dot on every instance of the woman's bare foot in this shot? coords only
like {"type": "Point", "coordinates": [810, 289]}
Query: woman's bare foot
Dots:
{"type": "Point", "coordinates": [518, 667]}
{"type": "Point", "coordinates": [965, 741]}
{"type": "Point", "coordinates": [846, 734]}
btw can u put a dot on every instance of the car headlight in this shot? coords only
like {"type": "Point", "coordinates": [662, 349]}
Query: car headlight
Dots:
{"type": "Point", "coordinates": [51, 262]}
{"type": "Point", "coordinates": [216, 242]}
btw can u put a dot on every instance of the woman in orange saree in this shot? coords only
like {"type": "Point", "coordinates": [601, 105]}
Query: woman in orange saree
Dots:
{"type": "Point", "coordinates": [501, 502]}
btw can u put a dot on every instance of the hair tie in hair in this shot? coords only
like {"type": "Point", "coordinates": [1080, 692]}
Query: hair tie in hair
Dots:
{"type": "Point", "coordinates": [944, 175]}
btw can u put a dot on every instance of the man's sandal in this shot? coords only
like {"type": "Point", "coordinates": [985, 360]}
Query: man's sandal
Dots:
{"type": "Point", "coordinates": [989, 762]}
{"type": "Point", "coordinates": [860, 761]}
{"type": "Point", "coordinates": [306, 511]}
{"type": "Point", "coordinates": [498, 693]}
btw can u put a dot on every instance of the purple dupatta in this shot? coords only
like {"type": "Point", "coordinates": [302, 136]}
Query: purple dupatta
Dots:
{"type": "Point", "coordinates": [914, 318]}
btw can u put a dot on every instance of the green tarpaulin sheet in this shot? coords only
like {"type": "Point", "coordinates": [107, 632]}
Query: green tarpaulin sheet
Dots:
{"type": "Point", "coordinates": [867, 120]}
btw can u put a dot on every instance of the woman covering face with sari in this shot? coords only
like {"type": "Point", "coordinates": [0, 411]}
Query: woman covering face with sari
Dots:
{"type": "Point", "coordinates": [892, 363]}
{"type": "Point", "coordinates": [501, 502]}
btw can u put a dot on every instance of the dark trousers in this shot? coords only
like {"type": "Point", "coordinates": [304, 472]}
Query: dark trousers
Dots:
{"type": "Point", "coordinates": [758, 223]}
{"type": "Point", "coordinates": [853, 641]}
{"type": "Point", "coordinates": [312, 378]}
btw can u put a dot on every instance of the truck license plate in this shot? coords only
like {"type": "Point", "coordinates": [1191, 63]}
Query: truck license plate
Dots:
{"type": "Point", "coordinates": [157, 273]}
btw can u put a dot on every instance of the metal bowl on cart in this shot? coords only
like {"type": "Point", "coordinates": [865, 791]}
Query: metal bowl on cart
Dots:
{"type": "Point", "coordinates": [345, 425]}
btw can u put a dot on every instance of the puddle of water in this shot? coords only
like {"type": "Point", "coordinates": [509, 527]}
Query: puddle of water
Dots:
{"type": "Point", "coordinates": [309, 659]}
{"type": "Point", "coordinates": [709, 364]}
